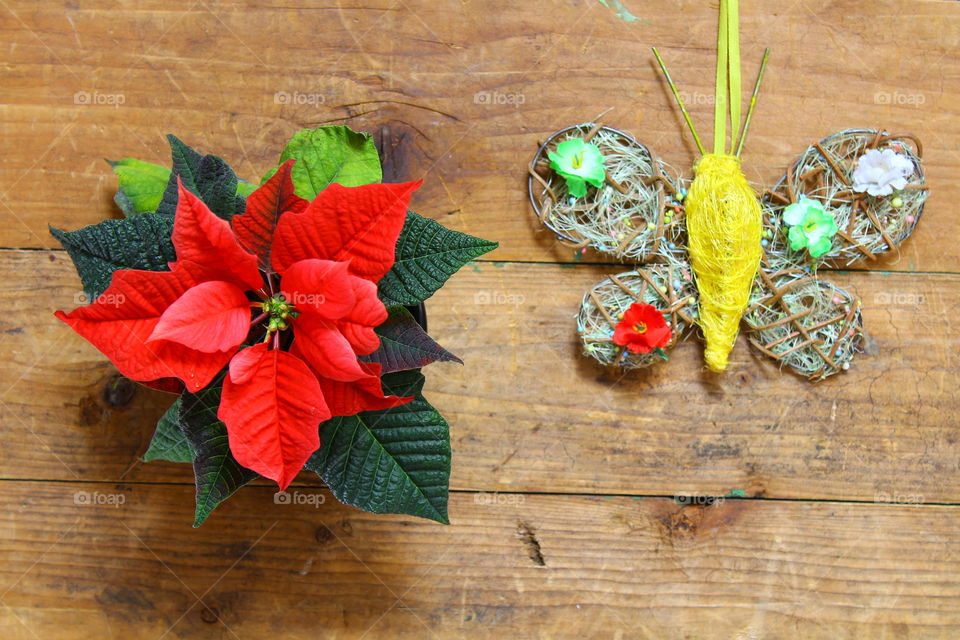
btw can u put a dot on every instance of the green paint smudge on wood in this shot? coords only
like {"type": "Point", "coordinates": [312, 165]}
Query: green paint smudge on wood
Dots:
{"type": "Point", "coordinates": [622, 12]}
{"type": "Point", "coordinates": [737, 493]}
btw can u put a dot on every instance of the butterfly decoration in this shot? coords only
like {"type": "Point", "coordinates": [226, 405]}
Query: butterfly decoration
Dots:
{"type": "Point", "coordinates": [709, 252]}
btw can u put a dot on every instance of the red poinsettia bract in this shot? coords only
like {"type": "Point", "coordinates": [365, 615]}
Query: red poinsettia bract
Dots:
{"type": "Point", "coordinates": [297, 280]}
{"type": "Point", "coordinates": [642, 329]}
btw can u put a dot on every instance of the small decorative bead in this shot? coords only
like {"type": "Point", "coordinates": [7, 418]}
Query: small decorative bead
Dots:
{"type": "Point", "coordinates": [910, 219]}
{"type": "Point", "coordinates": [896, 202]}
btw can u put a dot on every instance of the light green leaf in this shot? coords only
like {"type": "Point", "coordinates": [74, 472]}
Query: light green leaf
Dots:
{"type": "Point", "coordinates": [141, 185]}
{"type": "Point", "coordinates": [244, 188]}
{"type": "Point", "coordinates": [330, 154]}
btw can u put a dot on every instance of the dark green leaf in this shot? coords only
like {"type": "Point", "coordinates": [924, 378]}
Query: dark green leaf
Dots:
{"type": "Point", "coordinates": [217, 472]}
{"type": "Point", "coordinates": [140, 242]}
{"type": "Point", "coordinates": [217, 187]}
{"type": "Point", "coordinates": [208, 177]}
{"type": "Point", "coordinates": [185, 163]}
{"type": "Point", "coordinates": [140, 185]}
{"type": "Point", "coordinates": [405, 345]}
{"type": "Point", "coordinates": [330, 154]}
{"type": "Point", "coordinates": [391, 461]}
{"type": "Point", "coordinates": [427, 255]}
{"type": "Point", "coordinates": [169, 441]}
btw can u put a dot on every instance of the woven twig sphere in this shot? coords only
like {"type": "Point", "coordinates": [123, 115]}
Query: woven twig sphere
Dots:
{"type": "Point", "coordinates": [667, 286]}
{"type": "Point", "coordinates": [869, 226]}
{"type": "Point", "coordinates": [629, 217]}
{"type": "Point", "coordinates": [804, 322]}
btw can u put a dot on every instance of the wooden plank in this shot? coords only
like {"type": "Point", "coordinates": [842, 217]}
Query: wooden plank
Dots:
{"type": "Point", "coordinates": [511, 566]}
{"type": "Point", "coordinates": [470, 95]}
{"type": "Point", "coordinates": [528, 413]}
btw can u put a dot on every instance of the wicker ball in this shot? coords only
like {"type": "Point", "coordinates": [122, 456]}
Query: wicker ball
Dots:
{"type": "Point", "coordinates": [667, 286]}
{"type": "Point", "coordinates": [631, 216]}
{"type": "Point", "coordinates": [869, 226]}
{"type": "Point", "coordinates": [804, 322]}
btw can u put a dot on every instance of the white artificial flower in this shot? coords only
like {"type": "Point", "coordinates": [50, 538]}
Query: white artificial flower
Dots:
{"type": "Point", "coordinates": [879, 173]}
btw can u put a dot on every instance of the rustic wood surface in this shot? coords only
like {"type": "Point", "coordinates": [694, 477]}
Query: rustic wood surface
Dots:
{"type": "Point", "coordinates": [514, 566]}
{"type": "Point", "coordinates": [529, 414]}
{"type": "Point", "coordinates": [844, 518]}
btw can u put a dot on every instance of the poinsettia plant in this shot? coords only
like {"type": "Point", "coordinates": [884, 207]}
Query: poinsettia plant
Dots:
{"type": "Point", "coordinates": [278, 316]}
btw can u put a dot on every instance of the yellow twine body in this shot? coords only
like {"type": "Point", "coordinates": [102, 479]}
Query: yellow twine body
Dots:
{"type": "Point", "coordinates": [724, 224]}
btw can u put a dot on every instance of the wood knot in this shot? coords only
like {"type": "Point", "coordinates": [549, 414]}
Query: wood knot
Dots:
{"type": "Point", "coordinates": [682, 524]}
{"type": "Point", "coordinates": [90, 411]}
{"type": "Point", "coordinates": [393, 143]}
{"type": "Point", "coordinates": [529, 537]}
{"type": "Point", "coordinates": [323, 534]}
{"type": "Point", "coordinates": [743, 379]}
{"type": "Point", "coordinates": [210, 615]}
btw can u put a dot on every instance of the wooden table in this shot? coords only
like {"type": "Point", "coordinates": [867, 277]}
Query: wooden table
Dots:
{"type": "Point", "coordinates": [842, 509]}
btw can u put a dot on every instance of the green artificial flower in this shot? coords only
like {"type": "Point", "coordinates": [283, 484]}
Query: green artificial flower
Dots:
{"type": "Point", "coordinates": [578, 163]}
{"type": "Point", "coordinates": [811, 227]}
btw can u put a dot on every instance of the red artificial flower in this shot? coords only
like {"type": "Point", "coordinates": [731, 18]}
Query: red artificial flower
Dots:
{"type": "Point", "coordinates": [308, 271]}
{"type": "Point", "coordinates": [642, 329]}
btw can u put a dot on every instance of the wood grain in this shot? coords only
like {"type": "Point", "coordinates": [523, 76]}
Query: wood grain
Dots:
{"type": "Point", "coordinates": [848, 524]}
{"type": "Point", "coordinates": [470, 96]}
{"type": "Point", "coordinates": [528, 413]}
{"type": "Point", "coordinates": [510, 566]}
